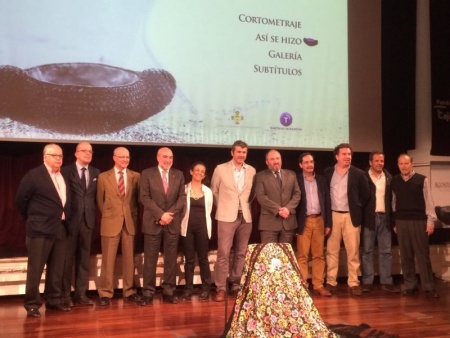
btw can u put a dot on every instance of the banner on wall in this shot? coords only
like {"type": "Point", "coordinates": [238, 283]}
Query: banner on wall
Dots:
{"type": "Point", "coordinates": [440, 80]}
{"type": "Point", "coordinates": [440, 185]}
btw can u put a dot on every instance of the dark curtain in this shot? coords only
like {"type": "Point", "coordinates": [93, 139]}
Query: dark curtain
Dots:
{"type": "Point", "coordinates": [440, 81]}
{"type": "Point", "coordinates": [398, 78]}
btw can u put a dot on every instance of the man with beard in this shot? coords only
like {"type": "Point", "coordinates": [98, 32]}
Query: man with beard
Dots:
{"type": "Point", "coordinates": [278, 194]}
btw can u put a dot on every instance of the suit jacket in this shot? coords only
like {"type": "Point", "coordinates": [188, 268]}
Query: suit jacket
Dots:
{"type": "Point", "coordinates": [324, 200]}
{"type": "Point", "coordinates": [156, 202]}
{"type": "Point", "coordinates": [271, 198]}
{"type": "Point", "coordinates": [357, 192]}
{"type": "Point", "coordinates": [83, 202]}
{"type": "Point", "coordinates": [40, 206]}
{"type": "Point", "coordinates": [115, 209]}
{"type": "Point", "coordinates": [369, 209]}
{"type": "Point", "coordinates": [226, 194]}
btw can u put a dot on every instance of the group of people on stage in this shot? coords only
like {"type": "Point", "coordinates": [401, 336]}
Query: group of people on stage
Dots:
{"type": "Point", "coordinates": [59, 207]}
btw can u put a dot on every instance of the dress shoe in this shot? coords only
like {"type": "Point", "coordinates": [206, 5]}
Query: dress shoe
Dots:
{"type": "Point", "coordinates": [33, 313]}
{"type": "Point", "coordinates": [323, 292]}
{"type": "Point", "coordinates": [103, 301]}
{"type": "Point", "coordinates": [83, 300]}
{"type": "Point", "coordinates": [186, 296]}
{"type": "Point", "coordinates": [57, 307]}
{"type": "Point", "coordinates": [356, 290]}
{"type": "Point", "coordinates": [171, 299]}
{"type": "Point", "coordinates": [390, 287]}
{"type": "Point", "coordinates": [331, 288]}
{"type": "Point", "coordinates": [134, 298]}
{"type": "Point", "coordinates": [204, 296]}
{"type": "Point", "coordinates": [431, 294]}
{"type": "Point", "coordinates": [410, 292]}
{"type": "Point", "coordinates": [67, 302]}
{"type": "Point", "coordinates": [145, 300]}
{"type": "Point", "coordinates": [367, 287]}
{"type": "Point", "coordinates": [220, 296]}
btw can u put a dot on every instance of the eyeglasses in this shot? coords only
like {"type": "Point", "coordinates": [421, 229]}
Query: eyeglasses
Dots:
{"type": "Point", "coordinates": [123, 157]}
{"type": "Point", "coordinates": [86, 151]}
{"type": "Point", "coordinates": [54, 155]}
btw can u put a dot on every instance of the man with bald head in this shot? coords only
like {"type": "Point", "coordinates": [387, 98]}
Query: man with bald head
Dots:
{"type": "Point", "coordinates": [83, 185]}
{"type": "Point", "coordinates": [278, 194]}
{"type": "Point", "coordinates": [43, 200]}
{"type": "Point", "coordinates": [414, 218]}
{"type": "Point", "coordinates": [163, 195]}
{"type": "Point", "coordinates": [118, 201]}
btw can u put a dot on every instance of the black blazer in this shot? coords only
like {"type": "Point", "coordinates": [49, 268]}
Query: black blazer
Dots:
{"type": "Point", "coordinates": [40, 206]}
{"type": "Point", "coordinates": [369, 209]}
{"type": "Point", "coordinates": [82, 202]}
{"type": "Point", "coordinates": [357, 192]}
{"type": "Point", "coordinates": [324, 200]}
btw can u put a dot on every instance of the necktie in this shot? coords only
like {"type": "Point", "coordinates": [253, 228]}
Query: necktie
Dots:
{"type": "Point", "coordinates": [121, 184]}
{"type": "Point", "coordinates": [83, 178]}
{"type": "Point", "coordinates": [164, 179]}
{"type": "Point", "coordinates": [278, 177]}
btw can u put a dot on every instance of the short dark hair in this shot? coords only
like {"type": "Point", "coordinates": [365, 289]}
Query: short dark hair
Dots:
{"type": "Point", "coordinates": [405, 154]}
{"type": "Point", "coordinates": [238, 143]}
{"type": "Point", "coordinates": [300, 158]}
{"type": "Point", "coordinates": [373, 153]}
{"type": "Point", "coordinates": [341, 146]}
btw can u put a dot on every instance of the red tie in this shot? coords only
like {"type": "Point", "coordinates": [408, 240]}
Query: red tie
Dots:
{"type": "Point", "coordinates": [121, 184]}
{"type": "Point", "coordinates": [164, 179]}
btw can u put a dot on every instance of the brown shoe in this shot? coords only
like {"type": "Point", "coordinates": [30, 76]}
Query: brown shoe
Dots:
{"type": "Point", "coordinates": [220, 296]}
{"type": "Point", "coordinates": [356, 290]}
{"type": "Point", "coordinates": [323, 292]}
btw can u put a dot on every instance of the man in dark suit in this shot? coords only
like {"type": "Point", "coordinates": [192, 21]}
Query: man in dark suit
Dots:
{"type": "Point", "coordinates": [349, 193]}
{"type": "Point", "coordinates": [83, 185]}
{"type": "Point", "coordinates": [43, 200]}
{"type": "Point", "coordinates": [118, 201]}
{"type": "Point", "coordinates": [314, 222]}
{"type": "Point", "coordinates": [163, 195]}
{"type": "Point", "coordinates": [278, 194]}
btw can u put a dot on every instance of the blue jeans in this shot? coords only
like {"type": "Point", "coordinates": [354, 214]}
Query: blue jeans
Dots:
{"type": "Point", "coordinates": [383, 236]}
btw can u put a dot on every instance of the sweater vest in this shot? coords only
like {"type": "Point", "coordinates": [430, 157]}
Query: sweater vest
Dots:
{"type": "Point", "coordinates": [409, 199]}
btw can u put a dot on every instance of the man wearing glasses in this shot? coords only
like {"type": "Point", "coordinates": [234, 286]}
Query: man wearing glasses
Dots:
{"type": "Point", "coordinates": [117, 199]}
{"type": "Point", "coordinates": [43, 200]}
{"type": "Point", "coordinates": [83, 185]}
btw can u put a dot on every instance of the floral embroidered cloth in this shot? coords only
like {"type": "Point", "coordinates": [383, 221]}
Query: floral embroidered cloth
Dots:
{"type": "Point", "coordinates": [272, 301]}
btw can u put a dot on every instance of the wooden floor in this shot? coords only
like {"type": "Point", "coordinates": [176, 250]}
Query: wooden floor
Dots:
{"type": "Point", "coordinates": [405, 316]}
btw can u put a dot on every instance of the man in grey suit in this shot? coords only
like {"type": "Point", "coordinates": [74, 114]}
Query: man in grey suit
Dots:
{"type": "Point", "coordinates": [231, 185]}
{"type": "Point", "coordinates": [163, 195]}
{"type": "Point", "coordinates": [82, 178]}
{"type": "Point", "coordinates": [278, 194]}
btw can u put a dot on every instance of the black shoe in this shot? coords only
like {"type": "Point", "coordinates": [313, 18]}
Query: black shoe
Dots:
{"type": "Point", "coordinates": [331, 288]}
{"type": "Point", "coordinates": [204, 296]}
{"type": "Point", "coordinates": [67, 302]}
{"type": "Point", "coordinates": [367, 287]}
{"type": "Point", "coordinates": [145, 300]}
{"type": "Point", "coordinates": [134, 298]}
{"type": "Point", "coordinates": [33, 313]}
{"type": "Point", "coordinates": [103, 301]}
{"type": "Point", "coordinates": [390, 287]}
{"type": "Point", "coordinates": [83, 300]}
{"type": "Point", "coordinates": [57, 307]}
{"type": "Point", "coordinates": [431, 294]}
{"type": "Point", "coordinates": [170, 299]}
{"type": "Point", "coordinates": [186, 296]}
{"type": "Point", "coordinates": [410, 292]}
